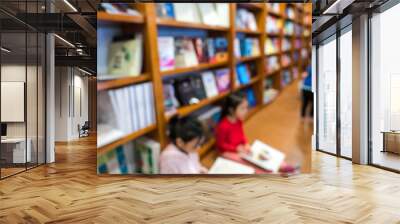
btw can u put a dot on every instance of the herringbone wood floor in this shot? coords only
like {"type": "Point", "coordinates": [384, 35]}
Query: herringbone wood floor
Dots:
{"type": "Point", "coordinates": [69, 191]}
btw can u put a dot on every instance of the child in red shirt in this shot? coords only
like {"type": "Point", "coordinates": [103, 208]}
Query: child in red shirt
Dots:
{"type": "Point", "coordinates": [229, 132]}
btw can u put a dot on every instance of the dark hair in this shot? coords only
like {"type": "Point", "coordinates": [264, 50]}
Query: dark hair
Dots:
{"type": "Point", "coordinates": [187, 129]}
{"type": "Point", "coordinates": [231, 103]}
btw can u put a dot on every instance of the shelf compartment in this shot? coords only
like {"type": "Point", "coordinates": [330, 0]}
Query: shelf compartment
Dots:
{"type": "Point", "coordinates": [126, 139]}
{"type": "Point", "coordinates": [243, 86]}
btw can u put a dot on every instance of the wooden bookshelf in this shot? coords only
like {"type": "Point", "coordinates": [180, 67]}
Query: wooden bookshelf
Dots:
{"type": "Point", "coordinates": [125, 139]}
{"type": "Point", "coordinates": [196, 68]}
{"type": "Point", "coordinates": [121, 82]}
{"type": "Point", "coordinates": [107, 17]}
{"type": "Point", "coordinates": [150, 25]}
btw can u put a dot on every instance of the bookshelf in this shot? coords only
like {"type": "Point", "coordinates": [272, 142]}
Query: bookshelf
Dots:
{"type": "Point", "coordinates": [149, 24]}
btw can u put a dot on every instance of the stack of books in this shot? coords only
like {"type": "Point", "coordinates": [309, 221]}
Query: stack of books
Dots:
{"type": "Point", "coordinates": [135, 157]}
{"type": "Point", "coordinates": [246, 47]}
{"type": "Point", "coordinates": [272, 45]}
{"type": "Point", "coordinates": [272, 64]}
{"type": "Point", "coordinates": [124, 111]}
{"type": "Point", "coordinates": [177, 52]}
{"type": "Point", "coordinates": [213, 14]}
{"type": "Point", "coordinates": [245, 20]}
{"type": "Point", "coordinates": [273, 25]}
{"type": "Point", "coordinates": [193, 88]}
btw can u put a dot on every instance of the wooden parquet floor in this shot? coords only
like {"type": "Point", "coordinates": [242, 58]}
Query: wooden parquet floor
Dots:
{"type": "Point", "coordinates": [69, 191]}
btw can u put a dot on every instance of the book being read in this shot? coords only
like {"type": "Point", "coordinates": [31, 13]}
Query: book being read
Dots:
{"type": "Point", "coordinates": [264, 156]}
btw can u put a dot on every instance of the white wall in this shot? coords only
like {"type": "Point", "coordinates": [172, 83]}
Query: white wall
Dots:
{"type": "Point", "coordinates": [71, 93]}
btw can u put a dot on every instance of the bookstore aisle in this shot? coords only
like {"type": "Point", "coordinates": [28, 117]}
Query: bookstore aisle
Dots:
{"type": "Point", "coordinates": [160, 60]}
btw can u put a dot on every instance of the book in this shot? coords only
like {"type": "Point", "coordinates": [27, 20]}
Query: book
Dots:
{"type": "Point", "coordinates": [251, 98]}
{"type": "Point", "coordinates": [201, 49]}
{"type": "Point", "coordinates": [221, 49]}
{"type": "Point", "coordinates": [223, 79]}
{"type": "Point", "coordinates": [209, 83]}
{"type": "Point", "coordinates": [187, 12]}
{"type": "Point", "coordinates": [272, 64]}
{"type": "Point", "coordinates": [166, 53]}
{"type": "Point", "coordinates": [125, 56]}
{"type": "Point", "coordinates": [264, 156]}
{"type": "Point", "coordinates": [243, 74]}
{"type": "Point", "coordinates": [223, 14]}
{"type": "Point", "coordinates": [165, 10]}
{"type": "Point", "coordinates": [210, 49]}
{"type": "Point", "coordinates": [185, 93]}
{"type": "Point", "coordinates": [208, 13]}
{"type": "Point", "coordinates": [197, 86]}
{"type": "Point", "coordinates": [237, 48]}
{"type": "Point", "coordinates": [170, 101]}
{"type": "Point", "coordinates": [226, 166]}
{"type": "Point", "coordinates": [245, 20]}
{"type": "Point", "coordinates": [185, 55]}
{"type": "Point", "coordinates": [118, 8]}
{"type": "Point", "coordinates": [149, 154]}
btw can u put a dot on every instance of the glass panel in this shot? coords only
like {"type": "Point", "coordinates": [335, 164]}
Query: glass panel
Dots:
{"type": "Point", "coordinates": [41, 99]}
{"type": "Point", "coordinates": [346, 94]}
{"type": "Point", "coordinates": [385, 84]}
{"type": "Point", "coordinates": [31, 98]}
{"type": "Point", "coordinates": [13, 86]}
{"type": "Point", "coordinates": [327, 96]}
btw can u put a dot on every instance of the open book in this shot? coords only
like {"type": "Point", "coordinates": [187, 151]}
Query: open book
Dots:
{"type": "Point", "coordinates": [264, 156]}
{"type": "Point", "coordinates": [226, 166]}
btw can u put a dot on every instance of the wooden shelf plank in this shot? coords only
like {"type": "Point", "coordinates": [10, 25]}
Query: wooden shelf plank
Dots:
{"type": "Point", "coordinates": [274, 72]}
{"type": "Point", "coordinates": [251, 6]}
{"type": "Point", "coordinates": [249, 58]}
{"type": "Point", "coordinates": [273, 54]}
{"type": "Point", "coordinates": [121, 82]}
{"type": "Point", "coordinates": [188, 25]}
{"type": "Point", "coordinates": [126, 139]}
{"type": "Point", "coordinates": [206, 147]}
{"type": "Point", "coordinates": [243, 86]}
{"type": "Point", "coordinates": [120, 18]}
{"type": "Point", "coordinates": [247, 31]}
{"type": "Point", "coordinates": [186, 110]}
{"type": "Point", "coordinates": [199, 67]}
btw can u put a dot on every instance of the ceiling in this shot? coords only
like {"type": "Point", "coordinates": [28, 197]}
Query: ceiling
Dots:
{"type": "Point", "coordinates": [72, 20]}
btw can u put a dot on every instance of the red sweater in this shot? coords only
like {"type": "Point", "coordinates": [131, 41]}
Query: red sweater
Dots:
{"type": "Point", "coordinates": [230, 135]}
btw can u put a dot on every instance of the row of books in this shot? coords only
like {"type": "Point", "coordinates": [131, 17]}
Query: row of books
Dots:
{"type": "Point", "coordinates": [269, 91]}
{"type": "Point", "coordinates": [140, 156]}
{"type": "Point", "coordinates": [246, 47]}
{"type": "Point", "coordinates": [124, 111]}
{"type": "Point", "coordinates": [272, 45]}
{"type": "Point", "coordinates": [274, 7]}
{"type": "Point", "coordinates": [272, 64]}
{"type": "Point", "coordinates": [177, 52]}
{"type": "Point", "coordinates": [118, 8]}
{"type": "Point", "coordinates": [245, 19]}
{"type": "Point", "coordinates": [215, 14]}
{"type": "Point", "coordinates": [193, 88]}
{"type": "Point", "coordinates": [244, 73]}
{"type": "Point", "coordinates": [125, 56]}
{"type": "Point", "coordinates": [273, 25]}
